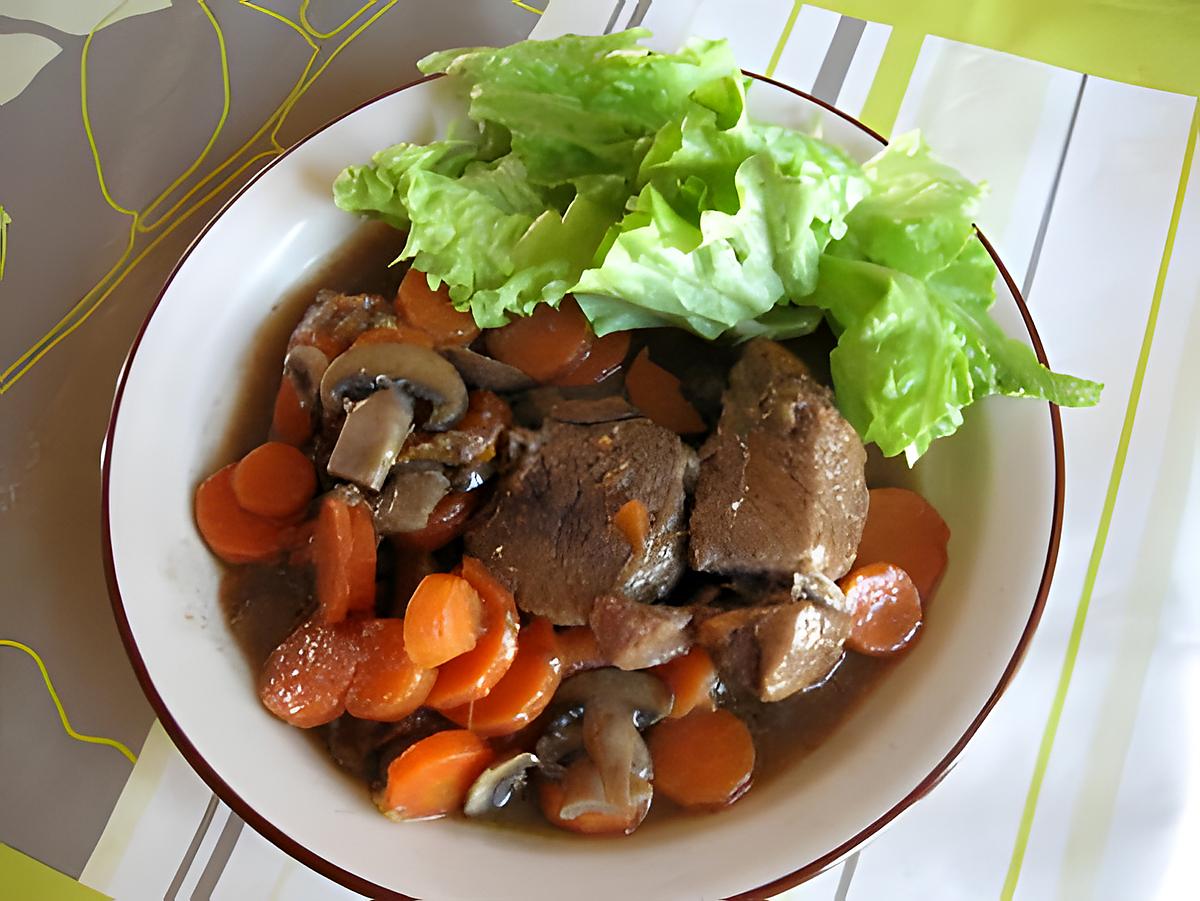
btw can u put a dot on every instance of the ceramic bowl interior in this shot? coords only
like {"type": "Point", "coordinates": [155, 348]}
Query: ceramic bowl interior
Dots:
{"type": "Point", "coordinates": [996, 483]}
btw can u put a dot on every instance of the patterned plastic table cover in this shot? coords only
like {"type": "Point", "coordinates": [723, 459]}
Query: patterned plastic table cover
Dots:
{"type": "Point", "coordinates": [1082, 116]}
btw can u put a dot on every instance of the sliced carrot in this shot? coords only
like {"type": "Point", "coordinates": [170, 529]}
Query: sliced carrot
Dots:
{"type": "Point", "coordinates": [470, 676]}
{"type": "Point", "coordinates": [305, 680]}
{"type": "Point", "coordinates": [525, 690]}
{"type": "Point", "coordinates": [344, 558]}
{"type": "Point", "coordinates": [578, 649]}
{"type": "Point", "coordinates": [387, 686]}
{"type": "Point", "coordinates": [545, 345]}
{"type": "Point", "coordinates": [692, 678]}
{"type": "Point", "coordinates": [444, 619]}
{"type": "Point", "coordinates": [432, 777]}
{"type": "Point", "coordinates": [658, 394]}
{"type": "Point", "coordinates": [275, 480]}
{"type": "Point", "coordinates": [291, 421]}
{"type": "Point", "coordinates": [486, 412]}
{"type": "Point", "coordinates": [633, 522]}
{"type": "Point", "coordinates": [447, 521]}
{"type": "Point", "coordinates": [300, 543]}
{"type": "Point", "coordinates": [715, 778]}
{"type": "Point", "coordinates": [231, 532]}
{"type": "Point", "coordinates": [399, 334]}
{"type": "Point", "coordinates": [887, 609]}
{"type": "Point", "coordinates": [432, 311]}
{"type": "Point", "coordinates": [606, 356]}
{"type": "Point", "coordinates": [552, 793]}
{"type": "Point", "coordinates": [903, 528]}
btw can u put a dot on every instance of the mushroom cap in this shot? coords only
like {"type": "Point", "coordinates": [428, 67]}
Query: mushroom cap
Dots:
{"type": "Point", "coordinates": [643, 694]}
{"type": "Point", "coordinates": [424, 372]}
{"type": "Point", "coordinates": [498, 784]}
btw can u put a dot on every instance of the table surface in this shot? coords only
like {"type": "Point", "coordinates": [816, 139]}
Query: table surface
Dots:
{"type": "Point", "coordinates": [1103, 157]}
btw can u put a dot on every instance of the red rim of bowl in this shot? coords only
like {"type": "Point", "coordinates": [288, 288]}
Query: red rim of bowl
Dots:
{"type": "Point", "coordinates": [357, 883]}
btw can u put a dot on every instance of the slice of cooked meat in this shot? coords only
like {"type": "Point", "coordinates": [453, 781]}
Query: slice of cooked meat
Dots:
{"type": "Point", "coordinates": [634, 635]}
{"type": "Point", "coordinates": [781, 485]}
{"type": "Point", "coordinates": [333, 320]}
{"type": "Point", "coordinates": [579, 404]}
{"type": "Point", "coordinates": [548, 532]}
{"type": "Point", "coordinates": [791, 642]}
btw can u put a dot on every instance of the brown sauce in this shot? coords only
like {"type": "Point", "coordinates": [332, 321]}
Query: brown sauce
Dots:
{"type": "Point", "coordinates": [263, 603]}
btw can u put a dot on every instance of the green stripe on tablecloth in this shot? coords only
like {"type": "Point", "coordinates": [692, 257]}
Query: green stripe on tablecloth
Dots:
{"type": "Point", "coordinates": [891, 79]}
{"type": "Point", "coordinates": [1106, 514]}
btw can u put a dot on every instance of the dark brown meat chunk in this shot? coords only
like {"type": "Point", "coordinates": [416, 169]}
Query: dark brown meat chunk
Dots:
{"type": "Point", "coordinates": [548, 533]}
{"type": "Point", "coordinates": [789, 642]}
{"type": "Point", "coordinates": [334, 320]}
{"type": "Point", "coordinates": [633, 635]}
{"type": "Point", "coordinates": [781, 485]}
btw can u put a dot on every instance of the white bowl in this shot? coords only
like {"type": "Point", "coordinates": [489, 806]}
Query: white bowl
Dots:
{"type": "Point", "coordinates": [998, 483]}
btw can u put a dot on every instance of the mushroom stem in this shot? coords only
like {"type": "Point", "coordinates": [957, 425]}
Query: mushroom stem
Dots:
{"type": "Point", "coordinates": [371, 438]}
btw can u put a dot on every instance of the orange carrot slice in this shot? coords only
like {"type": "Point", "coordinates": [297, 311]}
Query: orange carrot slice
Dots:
{"type": "Point", "coordinates": [291, 420]}
{"type": "Point", "coordinates": [692, 678]}
{"type": "Point", "coordinates": [903, 528]}
{"type": "Point", "coordinates": [486, 412]}
{"type": "Point", "coordinates": [658, 394]}
{"type": "Point", "coordinates": [231, 532]}
{"type": "Point", "coordinates": [400, 334]}
{"type": "Point", "coordinates": [275, 480]}
{"type": "Point", "coordinates": [525, 689]}
{"type": "Point", "coordinates": [606, 356]}
{"type": "Point", "coordinates": [444, 619]}
{"type": "Point", "coordinates": [387, 686]}
{"type": "Point", "coordinates": [447, 521]}
{"type": "Point", "coordinates": [578, 649]}
{"type": "Point", "coordinates": [344, 559]}
{"type": "Point", "coordinates": [305, 680]}
{"type": "Point", "coordinates": [887, 609]}
{"type": "Point", "coordinates": [712, 779]}
{"type": "Point", "coordinates": [432, 777]}
{"type": "Point", "coordinates": [432, 311]}
{"type": "Point", "coordinates": [470, 676]}
{"type": "Point", "coordinates": [545, 345]}
{"type": "Point", "coordinates": [633, 522]}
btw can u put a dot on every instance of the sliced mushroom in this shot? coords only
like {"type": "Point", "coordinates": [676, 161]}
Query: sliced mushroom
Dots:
{"type": "Point", "coordinates": [305, 365]}
{"type": "Point", "coordinates": [498, 784]}
{"type": "Point", "coordinates": [616, 704]}
{"type": "Point", "coordinates": [481, 371]}
{"type": "Point", "coordinates": [407, 500]}
{"type": "Point", "coordinates": [559, 744]}
{"type": "Point", "coordinates": [584, 792]}
{"type": "Point", "coordinates": [371, 438]}
{"type": "Point", "coordinates": [362, 369]}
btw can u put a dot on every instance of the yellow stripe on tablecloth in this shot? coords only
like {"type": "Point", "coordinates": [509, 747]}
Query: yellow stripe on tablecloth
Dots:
{"type": "Point", "coordinates": [1106, 515]}
{"type": "Point", "coordinates": [891, 79]}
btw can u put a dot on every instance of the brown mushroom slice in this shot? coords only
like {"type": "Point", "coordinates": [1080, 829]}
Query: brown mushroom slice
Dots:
{"type": "Point", "coordinates": [407, 500]}
{"type": "Point", "coordinates": [480, 371]}
{"type": "Point", "coordinates": [584, 792]}
{"type": "Point", "coordinates": [425, 373]}
{"type": "Point", "coordinates": [615, 705]}
{"type": "Point", "coordinates": [498, 784]}
{"type": "Point", "coordinates": [371, 438]}
{"type": "Point", "coordinates": [559, 744]}
{"type": "Point", "coordinates": [305, 365]}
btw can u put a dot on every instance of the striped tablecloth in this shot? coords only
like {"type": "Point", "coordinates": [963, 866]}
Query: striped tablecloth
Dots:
{"type": "Point", "coordinates": [1085, 781]}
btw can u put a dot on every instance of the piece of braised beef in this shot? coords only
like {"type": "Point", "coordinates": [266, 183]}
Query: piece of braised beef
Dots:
{"type": "Point", "coordinates": [548, 533]}
{"type": "Point", "coordinates": [781, 486]}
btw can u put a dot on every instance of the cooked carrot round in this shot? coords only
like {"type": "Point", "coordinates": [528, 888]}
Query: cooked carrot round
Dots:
{"type": "Point", "coordinates": [658, 394]}
{"type": "Point", "coordinates": [433, 312]}
{"type": "Point", "coordinates": [704, 760]}
{"type": "Point", "coordinates": [432, 777]}
{"type": "Point", "coordinates": [579, 652]}
{"type": "Point", "coordinates": [291, 421]}
{"type": "Point", "coordinates": [546, 344]}
{"type": "Point", "coordinates": [447, 520]}
{"type": "Point", "coordinates": [692, 678]}
{"type": "Point", "coordinates": [887, 609]}
{"type": "Point", "coordinates": [605, 357]}
{"type": "Point", "coordinates": [230, 531]}
{"type": "Point", "coordinates": [444, 619]}
{"type": "Point", "coordinates": [387, 686]}
{"type": "Point", "coordinates": [523, 692]}
{"type": "Point", "coordinates": [344, 558]}
{"type": "Point", "coordinates": [398, 334]}
{"type": "Point", "coordinates": [305, 680]}
{"type": "Point", "coordinates": [486, 411]}
{"type": "Point", "coordinates": [275, 480]}
{"type": "Point", "coordinates": [903, 528]}
{"type": "Point", "coordinates": [470, 676]}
